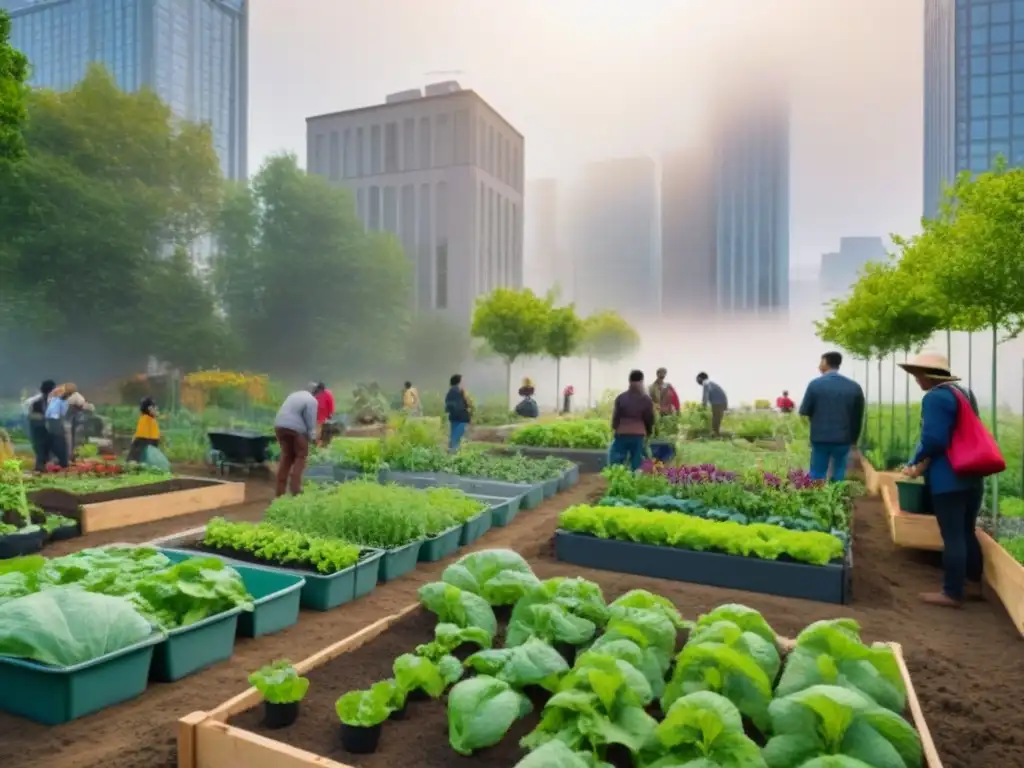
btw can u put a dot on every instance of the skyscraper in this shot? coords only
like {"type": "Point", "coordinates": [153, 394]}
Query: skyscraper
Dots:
{"type": "Point", "coordinates": [443, 172]}
{"type": "Point", "coordinates": [974, 89]}
{"type": "Point", "coordinates": [839, 269]}
{"type": "Point", "coordinates": [615, 239]}
{"type": "Point", "coordinates": [192, 53]}
{"type": "Point", "coordinates": [752, 202]}
{"type": "Point", "coordinates": [689, 232]}
{"type": "Point", "coordinates": [544, 261]}
{"type": "Point", "coordinates": [725, 209]}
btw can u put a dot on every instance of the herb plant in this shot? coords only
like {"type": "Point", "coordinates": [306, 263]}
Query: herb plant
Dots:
{"type": "Point", "coordinates": [279, 683]}
{"type": "Point", "coordinates": [576, 433]}
{"type": "Point", "coordinates": [280, 545]}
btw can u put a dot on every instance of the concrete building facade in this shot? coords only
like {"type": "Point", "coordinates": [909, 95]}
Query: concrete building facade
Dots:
{"type": "Point", "coordinates": [615, 239]}
{"type": "Point", "coordinates": [688, 233]}
{"type": "Point", "coordinates": [194, 54]}
{"type": "Point", "coordinates": [443, 172]}
{"type": "Point", "coordinates": [840, 269]}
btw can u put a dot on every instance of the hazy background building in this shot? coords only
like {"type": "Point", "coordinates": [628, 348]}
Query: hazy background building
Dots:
{"type": "Point", "coordinates": [840, 269]}
{"type": "Point", "coordinates": [614, 238]}
{"type": "Point", "coordinates": [688, 232]}
{"type": "Point", "coordinates": [545, 262]}
{"type": "Point", "coordinates": [752, 199]}
{"type": "Point", "coordinates": [193, 53]}
{"type": "Point", "coordinates": [442, 171]}
{"type": "Point", "coordinates": [974, 89]}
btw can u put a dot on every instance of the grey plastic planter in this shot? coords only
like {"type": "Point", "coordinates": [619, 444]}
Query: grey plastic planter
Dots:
{"type": "Point", "coordinates": [589, 461]}
{"type": "Point", "coordinates": [475, 527]}
{"type": "Point", "coordinates": [569, 479]}
{"type": "Point", "coordinates": [823, 583]}
{"type": "Point", "coordinates": [550, 487]}
{"type": "Point", "coordinates": [398, 562]}
{"type": "Point", "coordinates": [503, 511]}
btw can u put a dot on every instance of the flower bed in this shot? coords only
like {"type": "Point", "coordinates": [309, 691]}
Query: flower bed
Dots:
{"type": "Point", "coordinates": [755, 557]}
{"type": "Point", "coordinates": [77, 632]}
{"type": "Point", "coordinates": [568, 663]}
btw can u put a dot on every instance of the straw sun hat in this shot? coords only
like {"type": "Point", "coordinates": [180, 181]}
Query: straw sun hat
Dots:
{"type": "Point", "coordinates": [931, 365]}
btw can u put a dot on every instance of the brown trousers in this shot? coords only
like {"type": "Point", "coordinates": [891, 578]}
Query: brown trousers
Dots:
{"type": "Point", "coordinates": [294, 451]}
{"type": "Point", "coordinates": [717, 412]}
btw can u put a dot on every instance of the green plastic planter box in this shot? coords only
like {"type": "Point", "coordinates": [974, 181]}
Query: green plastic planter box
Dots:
{"type": "Point", "coordinates": [197, 646]}
{"type": "Point", "coordinates": [276, 594]}
{"type": "Point", "coordinates": [503, 511]}
{"type": "Point", "coordinates": [476, 527]}
{"type": "Point", "coordinates": [441, 545]}
{"type": "Point", "coordinates": [550, 487]}
{"type": "Point", "coordinates": [398, 562]}
{"type": "Point", "coordinates": [368, 573]}
{"type": "Point", "coordinates": [55, 695]}
{"type": "Point", "coordinates": [912, 497]}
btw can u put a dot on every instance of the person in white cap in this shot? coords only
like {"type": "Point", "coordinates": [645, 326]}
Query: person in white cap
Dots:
{"type": "Point", "coordinates": [955, 499]}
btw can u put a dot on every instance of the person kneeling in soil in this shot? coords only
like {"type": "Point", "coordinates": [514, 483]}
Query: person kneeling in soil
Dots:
{"type": "Point", "coordinates": [295, 427]}
{"type": "Point", "coordinates": [632, 423]}
{"type": "Point", "coordinates": [955, 498]}
{"type": "Point", "coordinates": [147, 431]}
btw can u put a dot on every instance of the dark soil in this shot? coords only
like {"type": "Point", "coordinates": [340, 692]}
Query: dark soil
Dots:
{"type": "Point", "coordinates": [420, 738]}
{"type": "Point", "coordinates": [58, 500]}
{"type": "Point", "coordinates": [239, 554]}
{"type": "Point", "coordinates": [967, 666]}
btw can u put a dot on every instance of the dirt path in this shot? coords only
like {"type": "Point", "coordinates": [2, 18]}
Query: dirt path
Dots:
{"type": "Point", "coordinates": [967, 666]}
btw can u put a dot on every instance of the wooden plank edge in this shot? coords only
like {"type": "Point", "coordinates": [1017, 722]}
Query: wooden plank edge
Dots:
{"type": "Point", "coordinates": [187, 738]}
{"type": "Point", "coordinates": [998, 561]}
{"type": "Point", "coordinates": [95, 517]}
{"type": "Point", "coordinates": [172, 539]}
{"type": "Point", "coordinates": [251, 697]}
{"type": "Point", "coordinates": [219, 745]}
{"type": "Point", "coordinates": [931, 755]}
{"type": "Point", "coordinates": [870, 475]}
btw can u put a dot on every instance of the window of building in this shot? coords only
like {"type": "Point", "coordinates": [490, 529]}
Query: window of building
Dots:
{"type": "Point", "coordinates": [346, 153]}
{"type": "Point", "coordinates": [1000, 12]}
{"type": "Point", "coordinates": [1000, 64]}
{"type": "Point", "coordinates": [483, 284]}
{"type": "Point", "coordinates": [979, 15]}
{"type": "Point", "coordinates": [1018, 27]}
{"type": "Point", "coordinates": [391, 209]}
{"type": "Point", "coordinates": [997, 148]}
{"type": "Point", "coordinates": [979, 107]}
{"type": "Point", "coordinates": [491, 237]}
{"type": "Point", "coordinates": [335, 167]}
{"type": "Point", "coordinates": [373, 215]}
{"type": "Point", "coordinates": [361, 205]}
{"type": "Point", "coordinates": [361, 160]}
{"type": "Point", "coordinates": [376, 158]}
{"type": "Point", "coordinates": [407, 216]}
{"type": "Point", "coordinates": [441, 251]}
{"type": "Point", "coordinates": [409, 144]}
{"type": "Point", "coordinates": [1000, 106]}
{"type": "Point", "coordinates": [424, 273]}
{"type": "Point", "coordinates": [391, 148]}
{"type": "Point", "coordinates": [979, 129]}
{"type": "Point", "coordinates": [425, 148]}
{"type": "Point", "coordinates": [463, 137]}
{"type": "Point", "coordinates": [979, 65]}
{"type": "Point", "coordinates": [319, 162]}
{"type": "Point", "coordinates": [1018, 125]}
{"type": "Point", "coordinates": [999, 84]}
{"type": "Point", "coordinates": [979, 37]}
{"type": "Point", "coordinates": [1000, 34]}
{"type": "Point", "coordinates": [1017, 61]}
{"type": "Point", "coordinates": [517, 180]}
{"type": "Point", "coordinates": [999, 128]}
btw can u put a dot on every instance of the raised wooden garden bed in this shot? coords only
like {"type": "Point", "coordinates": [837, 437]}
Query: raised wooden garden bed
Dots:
{"type": "Point", "coordinates": [1004, 576]}
{"type": "Point", "coordinates": [908, 529]}
{"type": "Point", "coordinates": [122, 507]}
{"type": "Point", "coordinates": [210, 740]}
{"type": "Point", "coordinates": [825, 583]}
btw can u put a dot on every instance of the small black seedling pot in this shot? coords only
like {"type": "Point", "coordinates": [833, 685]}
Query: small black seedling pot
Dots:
{"type": "Point", "coordinates": [418, 695]}
{"type": "Point", "coordinates": [503, 613]}
{"type": "Point", "coordinates": [398, 714]}
{"type": "Point", "coordinates": [64, 532]}
{"type": "Point", "coordinates": [360, 741]}
{"type": "Point", "coordinates": [280, 715]}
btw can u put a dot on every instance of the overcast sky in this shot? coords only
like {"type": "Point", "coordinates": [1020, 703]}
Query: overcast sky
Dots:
{"type": "Point", "coordinates": [590, 79]}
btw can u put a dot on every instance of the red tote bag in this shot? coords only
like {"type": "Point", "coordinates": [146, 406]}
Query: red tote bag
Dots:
{"type": "Point", "coordinates": [972, 449]}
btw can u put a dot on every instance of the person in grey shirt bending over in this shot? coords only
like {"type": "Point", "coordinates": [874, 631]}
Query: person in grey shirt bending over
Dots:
{"type": "Point", "coordinates": [295, 427]}
{"type": "Point", "coordinates": [714, 396]}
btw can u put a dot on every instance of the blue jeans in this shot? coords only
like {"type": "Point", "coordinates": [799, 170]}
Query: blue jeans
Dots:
{"type": "Point", "coordinates": [458, 429]}
{"type": "Point", "coordinates": [627, 449]}
{"type": "Point", "coordinates": [825, 454]}
{"type": "Point", "coordinates": [957, 513]}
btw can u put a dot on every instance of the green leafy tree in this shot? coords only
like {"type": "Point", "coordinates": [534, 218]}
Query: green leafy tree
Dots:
{"type": "Point", "coordinates": [111, 184]}
{"type": "Point", "coordinates": [565, 337]}
{"type": "Point", "coordinates": [13, 94]}
{"type": "Point", "coordinates": [609, 338]}
{"type": "Point", "coordinates": [513, 323]}
{"type": "Point", "coordinates": [306, 289]}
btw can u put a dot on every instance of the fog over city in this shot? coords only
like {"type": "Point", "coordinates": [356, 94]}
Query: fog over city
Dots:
{"type": "Point", "coordinates": [587, 81]}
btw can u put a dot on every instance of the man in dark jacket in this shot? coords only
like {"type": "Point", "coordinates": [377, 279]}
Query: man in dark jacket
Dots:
{"type": "Point", "coordinates": [456, 405]}
{"type": "Point", "coordinates": [835, 406]}
{"type": "Point", "coordinates": [632, 423]}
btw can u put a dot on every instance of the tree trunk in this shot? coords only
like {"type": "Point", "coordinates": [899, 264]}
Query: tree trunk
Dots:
{"type": "Point", "coordinates": [508, 383]}
{"type": "Point", "coordinates": [881, 412]}
{"type": "Point", "coordinates": [892, 411]}
{"type": "Point", "coordinates": [970, 361]}
{"type": "Point", "coordinates": [590, 380]}
{"type": "Point", "coordinates": [949, 346]}
{"type": "Point", "coordinates": [995, 426]}
{"type": "Point", "coordinates": [558, 384]}
{"type": "Point", "coordinates": [865, 430]}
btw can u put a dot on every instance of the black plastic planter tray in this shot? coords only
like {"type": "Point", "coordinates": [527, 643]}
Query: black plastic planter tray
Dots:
{"type": "Point", "coordinates": [18, 544]}
{"type": "Point", "coordinates": [823, 583]}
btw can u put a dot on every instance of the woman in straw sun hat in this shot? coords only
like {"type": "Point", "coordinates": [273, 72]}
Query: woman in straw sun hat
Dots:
{"type": "Point", "coordinates": [955, 499]}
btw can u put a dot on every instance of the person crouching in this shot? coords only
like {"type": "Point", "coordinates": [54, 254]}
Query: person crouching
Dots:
{"type": "Point", "coordinates": [147, 431]}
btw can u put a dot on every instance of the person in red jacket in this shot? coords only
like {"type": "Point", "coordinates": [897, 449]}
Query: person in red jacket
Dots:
{"type": "Point", "coordinates": [324, 409]}
{"type": "Point", "coordinates": [784, 403]}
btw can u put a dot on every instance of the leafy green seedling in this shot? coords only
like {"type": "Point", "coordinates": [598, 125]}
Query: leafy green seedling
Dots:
{"type": "Point", "coordinates": [279, 682]}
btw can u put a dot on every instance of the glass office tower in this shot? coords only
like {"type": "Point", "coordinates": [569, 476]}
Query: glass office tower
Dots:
{"type": "Point", "coordinates": [974, 89]}
{"type": "Point", "coordinates": [193, 53]}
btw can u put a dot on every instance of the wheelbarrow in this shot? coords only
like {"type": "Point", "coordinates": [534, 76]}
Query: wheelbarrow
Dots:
{"type": "Point", "coordinates": [243, 449]}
